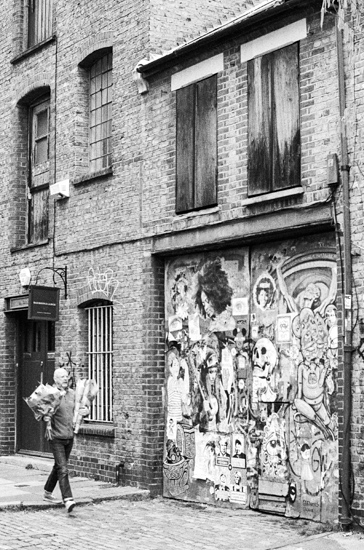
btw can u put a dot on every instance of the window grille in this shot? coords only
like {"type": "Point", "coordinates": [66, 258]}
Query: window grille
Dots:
{"type": "Point", "coordinates": [100, 113]}
{"type": "Point", "coordinates": [100, 360]}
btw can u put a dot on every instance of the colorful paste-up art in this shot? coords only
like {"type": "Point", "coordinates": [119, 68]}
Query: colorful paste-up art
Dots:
{"type": "Point", "coordinates": [251, 378]}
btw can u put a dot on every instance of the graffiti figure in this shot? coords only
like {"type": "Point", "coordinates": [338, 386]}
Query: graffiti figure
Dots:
{"type": "Point", "coordinates": [264, 361]}
{"type": "Point", "coordinates": [238, 450]}
{"type": "Point", "coordinates": [314, 375]}
{"type": "Point", "coordinates": [306, 470]}
{"type": "Point", "coordinates": [274, 452]}
{"type": "Point", "coordinates": [237, 486]}
{"type": "Point", "coordinates": [214, 399]}
{"type": "Point", "coordinates": [179, 293]}
{"type": "Point", "coordinates": [223, 448]}
{"type": "Point", "coordinates": [311, 296]}
{"type": "Point", "coordinates": [333, 336]}
{"type": "Point", "coordinates": [213, 297]}
{"type": "Point", "coordinates": [264, 292]}
{"type": "Point", "coordinates": [173, 453]}
{"type": "Point", "coordinates": [177, 385]}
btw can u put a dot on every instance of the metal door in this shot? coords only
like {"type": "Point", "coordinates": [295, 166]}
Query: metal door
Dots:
{"type": "Point", "coordinates": [37, 344]}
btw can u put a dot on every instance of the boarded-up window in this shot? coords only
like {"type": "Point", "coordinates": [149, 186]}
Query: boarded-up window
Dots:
{"type": "Point", "coordinates": [274, 133]}
{"type": "Point", "coordinates": [100, 113]}
{"type": "Point", "coordinates": [196, 146]}
{"type": "Point", "coordinates": [39, 21]}
{"type": "Point", "coordinates": [38, 191]}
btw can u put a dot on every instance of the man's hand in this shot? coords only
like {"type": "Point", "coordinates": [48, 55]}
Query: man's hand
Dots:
{"type": "Point", "coordinates": [84, 411]}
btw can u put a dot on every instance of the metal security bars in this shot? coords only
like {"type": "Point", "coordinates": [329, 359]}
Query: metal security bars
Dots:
{"type": "Point", "coordinates": [39, 21]}
{"type": "Point", "coordinates": [100, 359]}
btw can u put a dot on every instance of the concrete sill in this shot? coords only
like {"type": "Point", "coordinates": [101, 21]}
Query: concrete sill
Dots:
{"type": "Point", "coordinates": [90, 177]}
{"type": "Point", "coordinates": [32, 50]}
{"type": "Point", "coordinates": [28, 246]}
{"type": "Point", "coordinates": [99, 430]}
{"type": "Point", "coordinates": [195, 213]}
{"type": "Point", "coordinates": [275, 195]}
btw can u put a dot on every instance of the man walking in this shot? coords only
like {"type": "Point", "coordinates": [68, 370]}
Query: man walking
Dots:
{"type": "Point", "coordinates": [61, 441]}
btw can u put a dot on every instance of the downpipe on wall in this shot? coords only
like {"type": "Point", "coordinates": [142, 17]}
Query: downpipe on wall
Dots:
{"type": "Point", "coordinates": [345, 469]}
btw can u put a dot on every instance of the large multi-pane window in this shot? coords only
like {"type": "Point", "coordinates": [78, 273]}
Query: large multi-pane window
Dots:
{"type": "Point", "coordinates": [39, 21]}
{"type": "Point", "coordinates": [100, 113]}
{"type": "Point", "coordinates": [38, 181]}
{"type": "Point", "coordinates": [100, 359]}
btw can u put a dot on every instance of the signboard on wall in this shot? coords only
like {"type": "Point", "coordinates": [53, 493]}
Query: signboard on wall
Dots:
{"type": "Point", "coordinates": [43, 303]}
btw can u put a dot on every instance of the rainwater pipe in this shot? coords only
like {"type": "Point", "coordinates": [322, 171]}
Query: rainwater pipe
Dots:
{"type": "Point", "coordinates": [345, 467]}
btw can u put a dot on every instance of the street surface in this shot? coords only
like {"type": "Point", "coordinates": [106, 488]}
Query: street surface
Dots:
{"type": "Point", "coordinates": [161, 524]}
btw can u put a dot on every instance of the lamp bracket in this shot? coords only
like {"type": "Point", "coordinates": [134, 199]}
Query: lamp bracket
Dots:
{"type": "Point", "coordinates": [61, 271]}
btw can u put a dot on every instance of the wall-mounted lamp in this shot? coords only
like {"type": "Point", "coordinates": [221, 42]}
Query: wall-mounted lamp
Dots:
{"type": "Point", "coordinates": [25, 276]}
{"type": "Point", "coordinates": [360, 348]}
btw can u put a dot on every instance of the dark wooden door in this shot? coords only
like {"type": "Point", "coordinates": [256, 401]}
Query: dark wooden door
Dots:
{"type": "Point", "coordinates": [36, 366]}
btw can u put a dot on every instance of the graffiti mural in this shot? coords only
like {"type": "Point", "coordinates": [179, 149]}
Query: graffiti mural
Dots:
{"type": "Point", "coordinates": [251, 378]}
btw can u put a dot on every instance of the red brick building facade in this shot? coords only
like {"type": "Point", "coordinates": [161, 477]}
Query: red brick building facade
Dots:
{"type": "Point", "coordinates": [225, 153]}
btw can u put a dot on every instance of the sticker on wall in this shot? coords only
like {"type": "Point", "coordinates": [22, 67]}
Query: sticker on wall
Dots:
{"type": "Point", "coordinates": [238, 458]}
{"type": "Point", "coordinates": [283, 331]}
{"type": "Point", "coordinates": [264, 292]}
{"type": "Point", "coordinates": [194, 327]}
{"type": "Point", "coordinates": [240, 307]}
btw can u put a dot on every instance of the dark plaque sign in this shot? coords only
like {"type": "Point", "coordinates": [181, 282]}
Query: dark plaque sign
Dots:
{"type": "Point", "coordinates": [43, 303]}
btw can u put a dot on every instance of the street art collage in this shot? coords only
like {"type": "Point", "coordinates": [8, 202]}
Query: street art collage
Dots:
{"type": "Point", "coordinates": [251, 378]}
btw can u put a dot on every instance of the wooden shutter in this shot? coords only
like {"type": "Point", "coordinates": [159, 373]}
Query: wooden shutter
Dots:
{"type": "Point", "coordinates": [196, 146]}
{"type": "Point", "coordinates": [185, 149]}
{"type": "Point", "coordinates": [205, 143]}
{"type": "Point", "coordinates": [286, 137]}
{"type": "Point", "coordinates": [273, 121]}
{"type": "Point", "coordinates": [259, 125]}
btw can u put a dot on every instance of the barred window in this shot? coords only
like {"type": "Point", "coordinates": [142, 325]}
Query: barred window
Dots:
{"type": "Point", "coordinates": [100, 113]}
{"type": "Point", "coordinates": [100, 359]}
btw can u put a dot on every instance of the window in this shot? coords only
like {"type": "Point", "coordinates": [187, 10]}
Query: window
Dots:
{"type": "Point", "coordinates": [196, 145]}
{"type": "Point", "coordinates": [39, 21]}
{"type": "Point", "coordinates": [100, 359]}
{"type": "Point", "coordinates": [38, 186]}
{"type": "Point", "coordinates": [273, 129]}
{"type": "Point", "coordinates": [100, 113]}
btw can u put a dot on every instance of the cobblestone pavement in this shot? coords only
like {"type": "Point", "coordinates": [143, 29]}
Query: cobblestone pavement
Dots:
{"type": "Point", "coordinates": [161, 524]}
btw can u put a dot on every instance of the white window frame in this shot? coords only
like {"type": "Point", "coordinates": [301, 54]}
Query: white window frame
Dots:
{"type": "Point", "coordinates": [100, 359]}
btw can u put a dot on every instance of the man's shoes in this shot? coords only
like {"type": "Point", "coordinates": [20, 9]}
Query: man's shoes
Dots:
{"type": "Point", "coordinates": [48, 497]}
{"type": "Point", "coordinates": [69, 504]}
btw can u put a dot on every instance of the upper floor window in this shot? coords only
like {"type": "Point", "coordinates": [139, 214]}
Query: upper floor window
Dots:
{"type": "Point", "coordinates": [196, 177]}
{"type": "Point", "coordinates": [39, 21]}
{"type": "Point", "coordinates": [100, 113]}
{"type": "Point", "coordinates": [38, 180]}
{"type": "Point", "coordinates": [274, 157]}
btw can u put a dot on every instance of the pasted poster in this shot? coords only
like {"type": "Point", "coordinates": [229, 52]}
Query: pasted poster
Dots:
{"type": "Point", "coordinates": [251, 378]}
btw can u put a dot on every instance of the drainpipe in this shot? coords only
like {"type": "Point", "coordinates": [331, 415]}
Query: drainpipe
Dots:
{"type": "Point", "coordinates": [345, 473]}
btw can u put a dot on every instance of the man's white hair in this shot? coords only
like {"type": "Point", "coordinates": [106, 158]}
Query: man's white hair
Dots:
{"type": "Point", "coordinates": [59, 372]}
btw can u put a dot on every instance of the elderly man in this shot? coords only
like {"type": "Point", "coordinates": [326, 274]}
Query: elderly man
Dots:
{"type": "Point", "coordinates": [61, 441]}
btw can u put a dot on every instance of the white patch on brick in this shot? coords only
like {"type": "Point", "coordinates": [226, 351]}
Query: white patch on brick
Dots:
{"type": "Point", "coordinates": [274, 40]}
{"type": "Point", "coordinates": [201, 70]}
